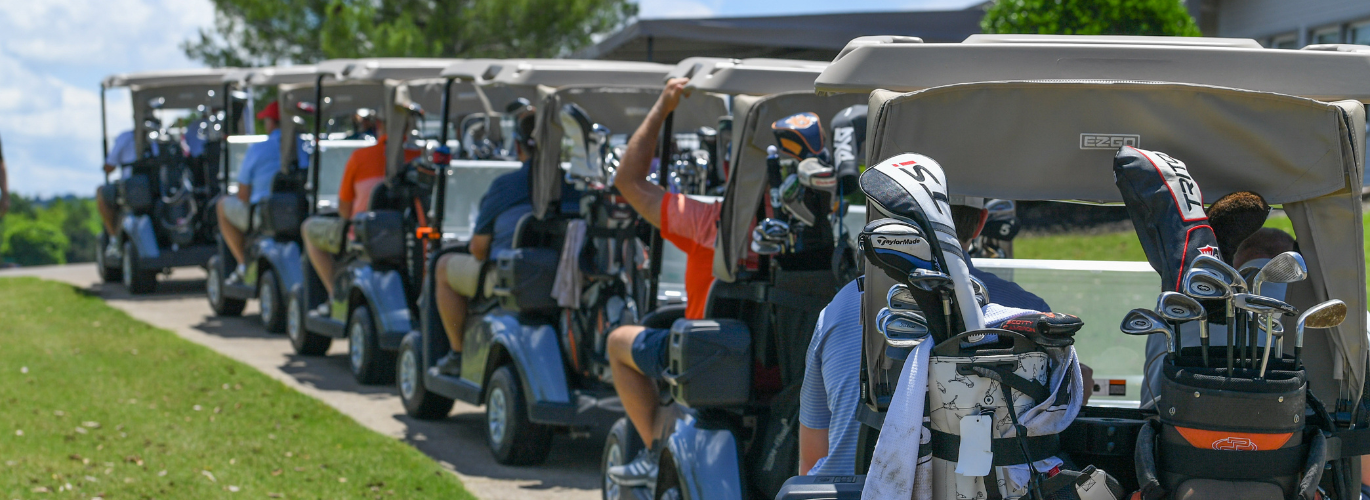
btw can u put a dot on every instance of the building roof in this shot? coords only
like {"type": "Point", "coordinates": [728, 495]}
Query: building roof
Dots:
{"type": "Point", "coordinates": [815, 36]}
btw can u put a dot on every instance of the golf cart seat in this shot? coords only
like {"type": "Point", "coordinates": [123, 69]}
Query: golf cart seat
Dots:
{"type": "Point", "coordinates": [664, 316]}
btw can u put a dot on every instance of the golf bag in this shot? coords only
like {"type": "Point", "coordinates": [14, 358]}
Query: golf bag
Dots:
{"type": "Point", "coordinates": [800, 209]}
{"type": "Point", "coordinates": [1237, 437]}
{"type": "Point", "coordinates": [1167, 211]}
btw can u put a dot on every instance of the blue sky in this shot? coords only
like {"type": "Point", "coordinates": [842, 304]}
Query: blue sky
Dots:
{"type": "Point", "coordinates": [53, 54]}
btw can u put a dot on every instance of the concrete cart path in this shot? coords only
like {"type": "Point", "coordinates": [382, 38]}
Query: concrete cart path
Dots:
{"type": "Point", "coordinates": [458, 442]}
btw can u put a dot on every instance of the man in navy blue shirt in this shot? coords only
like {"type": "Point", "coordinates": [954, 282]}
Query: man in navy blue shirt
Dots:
{"type": "Point", "coordinates": [504, 203]}
{"type": "Point", "coordinates": [828, 428]}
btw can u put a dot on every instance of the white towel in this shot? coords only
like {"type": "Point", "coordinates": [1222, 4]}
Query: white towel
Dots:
{"type": "Point", "coordinates": [567, 287]}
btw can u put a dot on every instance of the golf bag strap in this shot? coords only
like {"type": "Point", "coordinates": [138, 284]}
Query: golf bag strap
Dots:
{"type": "Point", "coordinates": [1232, 465]}
{"type": "Point", "coordinates": [1031, 388]}
{"type": "Point", "coordinates": [1347, 444]}
{"type": "Point", "coordinates": [1006, 451]}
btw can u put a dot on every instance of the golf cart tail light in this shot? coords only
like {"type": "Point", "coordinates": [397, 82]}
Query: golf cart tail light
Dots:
{"type": "Point", "coordinates": [442, 156]}
{"type": "Point", "coordinates": [427, 233]}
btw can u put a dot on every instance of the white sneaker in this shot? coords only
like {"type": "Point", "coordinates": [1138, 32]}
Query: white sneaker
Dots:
{"type": "Point", "coordinates": [640, 472]}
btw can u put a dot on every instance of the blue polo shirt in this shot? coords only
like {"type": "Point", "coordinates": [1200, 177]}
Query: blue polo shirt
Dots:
{"type": "Point", "coordinates": [832, 368]}
{"type": "Point", "coordinates": [260, 164]}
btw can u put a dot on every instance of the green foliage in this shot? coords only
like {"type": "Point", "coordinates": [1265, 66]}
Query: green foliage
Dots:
{"type": "Point", "coordinates": [61, 231]}
{"type": "Point", "coordinates": [266, 32]}
{"type": "Point", "coordinates": [1090, 17]}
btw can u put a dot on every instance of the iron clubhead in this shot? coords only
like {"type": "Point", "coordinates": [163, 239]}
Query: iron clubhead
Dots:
{"type": "Point", "coordinates": [1262, 305]}
{"type": "Point", "coordinates": [900, 298]}
{"type": "Point", "coordinates": [1228, 273]}
{"type": "Point", "coordinates": [1288, 267]}
{"type": "Point", "coordinates": [1179, 307]}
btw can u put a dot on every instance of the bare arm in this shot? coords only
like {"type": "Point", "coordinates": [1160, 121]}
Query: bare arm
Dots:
{"type": "Point", "coordinates": [813, 445]}
{"type": "Point", "coordinates": [244, 193]}
{"type": "Point", "coordinates": [480, 246]}
{"type": "Point", "coordinates": [631, 180]}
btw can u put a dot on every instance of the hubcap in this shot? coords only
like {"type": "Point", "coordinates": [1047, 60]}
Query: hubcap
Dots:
{"type": "Point", "coordinates": [495, 413]}
{"type": "Point", "coordinates": [212, 285]}
{"type": "Point", "coordinates": [613, 456]}
{"type": "Point", "coordinates": [408, 374]}
{"type": "Point", "coordinates": [268, 299]}
{"type": "Point", "coordinates": [354, 348]}
{"type": "Point", "coordinates": [292, 321]}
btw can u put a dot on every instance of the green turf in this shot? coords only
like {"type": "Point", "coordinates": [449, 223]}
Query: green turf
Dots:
{"type": "Point", "coordinates": [97, 404]}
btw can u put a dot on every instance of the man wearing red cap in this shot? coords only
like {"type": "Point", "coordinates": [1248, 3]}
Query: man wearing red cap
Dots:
{"type": "Point", "coordinates": [260, 164]}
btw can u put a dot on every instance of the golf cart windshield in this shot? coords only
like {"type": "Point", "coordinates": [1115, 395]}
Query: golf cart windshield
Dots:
{"type": "Point", "coordinates": [340, 102]}
{"type": "Point", "coordinates": [1021, 139]}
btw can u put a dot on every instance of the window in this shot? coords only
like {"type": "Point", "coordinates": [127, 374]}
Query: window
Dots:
{"type": "Point", "coordinates": [1326, 35]}
{"type": "Point", "coordinates": [1285, 42]}
{"type": "Point", "coordinates": [1359, 34]}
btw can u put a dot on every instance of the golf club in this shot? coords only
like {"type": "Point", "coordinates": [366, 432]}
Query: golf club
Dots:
{"type": "Point", "coordinates": [1260, 305]}
{"type": "Point", "coordinates": [1046, 329]}
{"type": "Point", "coordinates": [1204, 284]}
{"type": "Point", "coordinates": [1287, 267]}
{"type": "Point", "coordinates": [1325, 315]}
{"type": "Point", "coordinates": [935, 281]}
{"type": "Point", "coordinates": [896, 247]}
{"type": "Point", "coordinates": [1179, 308]}
{"type": "Point", "coordinates": [981, 292]}
{"type": "Point", "coordinates": [900, 298]}
{"type": "Point", "coordinates": [1274, 332]}
{"type": "Point", "coordinates": [1235, 285]}
{"type": "Point", "coordinates": [1147, 322]}
{"type": "Point", "coordinates": [903, 330]}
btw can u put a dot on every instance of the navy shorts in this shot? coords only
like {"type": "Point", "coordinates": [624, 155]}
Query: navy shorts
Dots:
{"type": "Point", "coordinates": [649, 351]}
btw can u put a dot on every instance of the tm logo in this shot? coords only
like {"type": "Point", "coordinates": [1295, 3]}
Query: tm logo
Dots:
{"type": "Point", "coordinates": [1109, 141]}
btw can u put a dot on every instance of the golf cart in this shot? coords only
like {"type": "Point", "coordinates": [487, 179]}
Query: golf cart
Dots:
{"type": "Point", "coordinates": [375, 276]}
{"type": "Point", "coordinates": [165, 217]}
{"type": "Point", "coordinates": [729, 433]}
{"type": "Point", "coordinates": [1289, 125]}
{"type": "Point", "coordinates": [272, 244]}
{"type": "Point", "coordinates": [536, 365]}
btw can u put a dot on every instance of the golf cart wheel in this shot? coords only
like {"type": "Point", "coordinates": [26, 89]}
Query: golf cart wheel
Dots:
{"type": "Point", "coordinates": [110, 272]}
{"type": "Point", "coordinates": [214, 291]}
{"type": "Point", "coordinates": [269, 299]}
{"type": "Point", "coordinates": [620, 447]}
{"type": "Point", "coordinates": [512, 438]}
{"type": "Point", "coordinates": [305, 342]}
{"type": "Point", "coordinates": [418, 402]}
{"type": "Point", "coordinates": [138, 281]}
{"type": "Point", "coordinates": [370, 365]}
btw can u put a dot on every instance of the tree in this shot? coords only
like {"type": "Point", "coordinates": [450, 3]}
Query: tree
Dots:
{"type": "Point", "coordinates": [34, 243]}
{"type": "Point", "coordinates": [268, 32]}
{"type": "Point", "coordinates": [1090, 17]}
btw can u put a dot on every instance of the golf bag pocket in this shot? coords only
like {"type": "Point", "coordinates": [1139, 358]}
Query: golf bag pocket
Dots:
{"type": "Point", "coordinates": [1220, 437]}
{"type": "Point", "coordinates": [969, 383]}
{"type": "Point", "coordinates": [709, 362]}
{"type": "Point", "coordinates": [380, 234]}
{"type": "Point", "coordinates": [282, 214]}
{"type": "Point", "coordinates": [137, 193]}
{"type": "Point", "coordinates": [524, 278]}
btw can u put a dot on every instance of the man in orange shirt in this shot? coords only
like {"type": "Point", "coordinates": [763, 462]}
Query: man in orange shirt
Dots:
{"type": "Point", "coordinates": [324, 234]}
{"type": "Point", "coordinates": [637, 355]}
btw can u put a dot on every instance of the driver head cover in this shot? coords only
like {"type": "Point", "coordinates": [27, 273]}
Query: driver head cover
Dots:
{"type": "Point", "coordinates": [800, 135]}
{"type": "Point", "coordinates": [1166, 207]}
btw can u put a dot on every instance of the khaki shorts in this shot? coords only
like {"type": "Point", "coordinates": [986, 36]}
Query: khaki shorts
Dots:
{"type": "Point", "coordinates": [324, 232]}
{"type": "Point", "coordinates": [237, 212]}
{"type": "Point", "coordinates": [463, 274]}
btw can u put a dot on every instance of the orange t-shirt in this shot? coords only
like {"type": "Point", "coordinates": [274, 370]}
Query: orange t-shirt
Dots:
{"type": "Point", "coordinates": [692, 226]}
{"type": "Point", "coordinates": [365, 169]}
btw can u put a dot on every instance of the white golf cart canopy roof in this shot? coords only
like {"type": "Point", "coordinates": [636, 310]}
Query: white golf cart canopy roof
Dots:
{"type": "Point", "coordinates": [565, 72]}
{"type": "Point", "coordinates": [472, 69]}
{"type": "Point", "coordinates": [169, 78]}
{"type": "Point", "coordinates": [384, 68]}
{"type": "Point", "coordinates": [272, 76]}
{"type": "Point", "coordinates": [1041, 118]}
{"type": "Point", "coordinates": [747, 76]}
{"type": "Point", "coordinates": [1325, 72]}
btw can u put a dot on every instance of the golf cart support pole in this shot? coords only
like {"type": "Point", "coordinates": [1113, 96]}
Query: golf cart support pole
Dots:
{"type": "Point", "coordinates": [104, 132]}
{"type": "Point", "coordinates": [228, 130]}
{"type": "Point", "coordinates": [313, 187]}
{"type": "Point", "coordinates": [440, 184]}
{"type": "Point", "coordinates": [663, 180]}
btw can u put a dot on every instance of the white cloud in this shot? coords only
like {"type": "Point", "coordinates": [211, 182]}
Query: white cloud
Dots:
{"type": "Point", "coordinates": [662, 9]}
{"type": "Point", "coordinates": [53, 54]}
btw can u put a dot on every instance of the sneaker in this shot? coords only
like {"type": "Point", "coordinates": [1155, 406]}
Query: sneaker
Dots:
{"type": "Point", "coordinates": [323, 311]}
{"type": "Point", "coordinates": [640, 472]}
{"type": "Point", "coordinates": [450, 364]}
{"type": "Point", "coordinates": [112, 253]}
{"type": "Point", "coordinates": [236, 277]}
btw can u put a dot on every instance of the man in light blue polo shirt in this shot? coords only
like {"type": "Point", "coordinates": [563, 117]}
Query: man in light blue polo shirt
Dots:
{"type": "Point", "coordinates": [260, 164]}
{"type": "Point", "coordinates": [828, 428]}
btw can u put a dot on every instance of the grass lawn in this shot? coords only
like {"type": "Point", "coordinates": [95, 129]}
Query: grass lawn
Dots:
{"type": "Point", "coordinates": [1119, 246]}
{"type": "Point", "coordinates": [97, 404]}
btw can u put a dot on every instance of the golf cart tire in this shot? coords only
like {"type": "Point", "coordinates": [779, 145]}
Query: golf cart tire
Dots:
{"type": "Point", "coordinates": [304, 342]}
{"type": "Point", "coordinates": [107, 274]}
{"type": "Point", "coordinates": [138, 281]}
{"type": "Point", "coordinates": [623, 441]}
{"type": "Point", "coordinates": [370, 364]}
{"type": "Point", "coordinates": [418, 401]}
{"type": "Point", "coordinates": [214, 280]}
{"type": "Point", "coordinates": [522, 442]}
{"type": "Point", "coordinates": [269, 298]}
